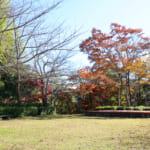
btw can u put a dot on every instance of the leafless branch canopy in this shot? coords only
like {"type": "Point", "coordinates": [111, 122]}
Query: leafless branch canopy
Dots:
{"type": "Point", "coordinates": [33, 36]}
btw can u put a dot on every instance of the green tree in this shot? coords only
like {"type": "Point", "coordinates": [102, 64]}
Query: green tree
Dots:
{"type": "Point", "coordinates": [6, 38]}
{"type": "Point", "coordinates": [7, 78]}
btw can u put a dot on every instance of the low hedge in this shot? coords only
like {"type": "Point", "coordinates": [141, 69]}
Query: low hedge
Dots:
{"type": "Point", "coordinates": [142, 108]}
{"type": "Point", "coordinates": [45, 110]}
{"type": "Point", "coordinates": [15, 111]}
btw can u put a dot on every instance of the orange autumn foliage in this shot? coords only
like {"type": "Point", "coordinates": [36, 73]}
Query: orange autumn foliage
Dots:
{"type": "Point", "coordinates": [118, 51]}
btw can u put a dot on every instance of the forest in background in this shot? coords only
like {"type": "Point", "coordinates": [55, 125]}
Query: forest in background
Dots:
{"type": "Point", "coordinates": [35, 67]}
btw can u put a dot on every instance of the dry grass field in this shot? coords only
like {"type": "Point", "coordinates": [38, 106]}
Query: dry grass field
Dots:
{"type": "Point", "coordinates": [74, 132]}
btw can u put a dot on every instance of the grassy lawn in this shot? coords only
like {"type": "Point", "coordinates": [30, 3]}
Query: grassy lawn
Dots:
{"type": "Point", "coordinates": [74, 133]}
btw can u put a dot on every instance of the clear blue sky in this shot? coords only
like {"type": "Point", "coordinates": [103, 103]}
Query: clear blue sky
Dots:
{"type": "Point", "coordinates": [101, 13]}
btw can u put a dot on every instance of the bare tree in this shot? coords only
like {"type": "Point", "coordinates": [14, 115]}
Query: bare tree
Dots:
{"type": "Point", "coordinates": [52, 68]}
{"type": "Point", "coordinates": [33, 39]}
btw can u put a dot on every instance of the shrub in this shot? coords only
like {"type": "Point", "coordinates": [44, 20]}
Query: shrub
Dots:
{"type": "Point", "coordinates": [129, 108]}
{"type": "Point", "coordinates": [99, 108]}
{"type": "Point", "coordinates": [114, 107]}
{"type": "Point", "coordinates": [139, 108]}
{"type": "Point", "coordinates": [122, 108]}
{"type": "Point", "coordinates": [16, 111]}
{"type": "Point", "coordinates": [12, 111]}
{"type": "Point", "coordinates": [146, 108]}
{"type": "Point", "coordinates": [30, 111]}
{"type": "Point", "coordinates": [1, 110]}
{"type": "Point", "coordinates": [108, 108]}
{"type": "Point", "coordinates": [46, 110]}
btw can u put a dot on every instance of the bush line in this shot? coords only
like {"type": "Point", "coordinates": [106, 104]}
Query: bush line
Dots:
{"type": "Point", "coordinates": [142, 108]}
{"type": "Point", "coordinates": [15, 111]}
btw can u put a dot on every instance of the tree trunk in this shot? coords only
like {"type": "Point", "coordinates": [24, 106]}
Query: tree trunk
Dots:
{"type": "Point", "coordinates": [127, 89]}
{"type": "Point", "coordinates": [18, 84]}
{"type": "Point", "coordinates": [18, 90]}
{"type": "Point", "coordinates": [139, 90]}
{"type": "Point", "coordinates": [44, 99]}
{"type": "Point", "coordinates": [18, 81]}
{"type": "Point", "coordinates": [17, 66]}
{"type": "Point", "coordinates": [119, 92]}
{"type": "Point", "coordinates": [119, 96]}
{"type": "Point", "coordinates": [90, 100]}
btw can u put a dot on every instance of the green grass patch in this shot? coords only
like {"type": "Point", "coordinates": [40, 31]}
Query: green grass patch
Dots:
{"type": "Point", "coordinates": [73, 132]}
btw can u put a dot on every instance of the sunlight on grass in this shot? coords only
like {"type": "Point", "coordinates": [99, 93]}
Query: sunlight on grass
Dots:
{"type": "Point", "coordinates": [73, 132]}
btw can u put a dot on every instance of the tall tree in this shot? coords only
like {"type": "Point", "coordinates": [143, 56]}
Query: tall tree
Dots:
{"type": "Point", "coordinates": [6, 38]}
{"type": "Point", "coordinates": [7, 84]}
{"type": "Point", "coordinates": [32, 37]}
{"type": "Point", "coordinates": [116, 50]}
{"type": "Point", "coordinates": [94, 88]}
{"type": "Point", "coordinates": [51, 69]}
